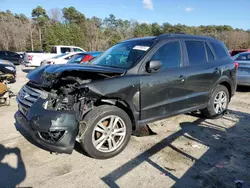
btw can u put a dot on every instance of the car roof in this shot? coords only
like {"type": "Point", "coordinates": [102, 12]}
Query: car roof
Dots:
{"type": "Point", "coordinates": [171, 36]}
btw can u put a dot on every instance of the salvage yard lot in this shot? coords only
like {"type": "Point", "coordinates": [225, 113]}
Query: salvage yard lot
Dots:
{"type": "Point", "coordinates": [187, 151]}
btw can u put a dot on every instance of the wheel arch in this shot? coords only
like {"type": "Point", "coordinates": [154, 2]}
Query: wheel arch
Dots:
{"type": "Point", "coordinates": [225, 81]}
{"type": "Point", "coordinates": [229, 88]}
{"type": "Point", "coordinates": [123, 105]}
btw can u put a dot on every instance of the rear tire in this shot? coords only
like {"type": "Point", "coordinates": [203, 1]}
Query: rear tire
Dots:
{"type": "Point", "coordinates": [105, 131]}
{"type": "Point", "coordinates": [217, 103]}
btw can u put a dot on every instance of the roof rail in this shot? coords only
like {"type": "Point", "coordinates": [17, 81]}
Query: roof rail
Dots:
{"type": "Point", "coordinates": [171, 34]}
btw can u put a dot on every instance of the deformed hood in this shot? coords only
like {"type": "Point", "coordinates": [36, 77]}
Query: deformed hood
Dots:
{"type": "Point", "coordinates": [52, 72]}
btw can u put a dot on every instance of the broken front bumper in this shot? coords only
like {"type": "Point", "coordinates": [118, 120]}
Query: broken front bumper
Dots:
{"type": "Point", "coordinates": [55, 130]}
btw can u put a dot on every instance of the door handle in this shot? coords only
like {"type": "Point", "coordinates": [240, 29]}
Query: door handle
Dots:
{"type": "Point", "coordinates": [181, 78]}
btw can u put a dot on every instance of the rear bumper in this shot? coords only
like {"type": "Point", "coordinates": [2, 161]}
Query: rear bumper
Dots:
{"type": "Point", "coordinates": [41, 124]}
{"type": "Point", "coordinates": [243, 80]}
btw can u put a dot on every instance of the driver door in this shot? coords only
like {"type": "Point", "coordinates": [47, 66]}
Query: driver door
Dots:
{"type": "Point", "coordinates": [163, 92]}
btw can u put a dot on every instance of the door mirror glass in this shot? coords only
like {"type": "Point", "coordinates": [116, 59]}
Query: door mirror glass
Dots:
{"type": "Point", "coordinates": [153, 66]}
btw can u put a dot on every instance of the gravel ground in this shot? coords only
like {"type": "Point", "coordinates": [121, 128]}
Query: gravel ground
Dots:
{"type": "Point", "coordinates": [188, 151]}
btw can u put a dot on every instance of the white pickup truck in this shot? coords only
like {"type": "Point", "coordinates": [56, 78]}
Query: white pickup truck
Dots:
{"type": "Point", "coordinates": [35, 59]}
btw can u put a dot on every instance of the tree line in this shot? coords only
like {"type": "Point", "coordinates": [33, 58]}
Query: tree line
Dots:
{"type": "Point", "coordinates": [68, 26]}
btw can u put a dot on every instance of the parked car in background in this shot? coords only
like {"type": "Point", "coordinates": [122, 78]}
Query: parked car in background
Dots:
{"type": "Point", "coordinates": [243, 74]}
{"type": "Point", "coordinates": [6, 67]}
{"type": "Point", "coordinates": [59, 59]}
{"type": "Point", "coordinates": [135, 82]}
{"type": "Point", "coordinates": [83, 57]}
{"type": "Point", "coordinates": [235, 52]}
{"type": "Point", "coordinates": [35, 59]}
{"type": "Point", "coordinates": [36, 51]}
{"type": "Point", "coordinates": [13, 57]}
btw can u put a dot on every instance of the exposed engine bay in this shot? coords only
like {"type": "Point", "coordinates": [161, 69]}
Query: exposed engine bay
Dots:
{"type": "Point", "coordinates": [66, 93]}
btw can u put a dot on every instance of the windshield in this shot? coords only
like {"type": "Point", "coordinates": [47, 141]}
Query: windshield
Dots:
{"type": "Point", "coordinates": [76, 59]}
{"type": "Point", "coordinates": [123, 55]}
{"type": "Point", "coordinates": [58, 56]}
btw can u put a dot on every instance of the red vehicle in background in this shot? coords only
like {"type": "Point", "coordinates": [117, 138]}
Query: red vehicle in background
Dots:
{"type": "Point", "coordinates": [235, 52]}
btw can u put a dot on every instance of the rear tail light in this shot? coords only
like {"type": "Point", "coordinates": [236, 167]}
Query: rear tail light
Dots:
{"type": "Point", "coordinates": [236, 64]}
{"type": "Point", "coordinates": [87, 58]}
{"type": "Point", "coordinates": [30, 57]}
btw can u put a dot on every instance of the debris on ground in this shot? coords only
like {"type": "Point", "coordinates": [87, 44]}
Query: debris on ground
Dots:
{"type": "Point", "coordinates": [143, 131]}
{"type": "Point", "coordinates": [239, 183]}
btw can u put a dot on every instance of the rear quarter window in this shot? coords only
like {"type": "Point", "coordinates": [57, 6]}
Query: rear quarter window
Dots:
{"type": "Point", "coordinates": [220, 50]}
{"type": "Point", "coordinates": [210, 54]}
{"type": "Point", "coordinates": [77, 50]}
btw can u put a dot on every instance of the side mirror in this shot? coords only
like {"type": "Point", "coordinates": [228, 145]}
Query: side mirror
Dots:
{"type": "Point", "coordinates": [153, 66]}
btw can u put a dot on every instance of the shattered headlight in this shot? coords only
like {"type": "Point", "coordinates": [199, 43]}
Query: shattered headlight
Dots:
{"type": "Point", "coordinates": [56, 104]}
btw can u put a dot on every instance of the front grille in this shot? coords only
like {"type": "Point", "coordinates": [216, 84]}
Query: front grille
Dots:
{"type": "Point", "coordinates": [27, 96]}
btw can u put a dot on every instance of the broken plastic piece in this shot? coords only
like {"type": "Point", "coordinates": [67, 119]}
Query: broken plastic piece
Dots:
{"type": "Point", "coordinates": [143, 131]}
{"type": "Point", "coordinates": [239, 183]}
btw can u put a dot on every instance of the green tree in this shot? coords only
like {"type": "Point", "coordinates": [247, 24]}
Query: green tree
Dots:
{"type": "Point", "coordinates": [71, 15]}
{"type": "Point", "coordinates": [156, 29]}
{"type": "Point", "coordinates": [40, 18]}
{"type": "Point", "coordinates": [142, 30]}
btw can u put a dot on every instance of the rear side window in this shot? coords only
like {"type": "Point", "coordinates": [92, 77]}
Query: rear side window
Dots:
{"type": "Point", "coordinates": [10, 54]}
{"type": "Point", "coordinates": [65, 50]}
{"type": "Point", "coordinates": [196, 52]}
{"type": "Point", "coordinates": [169, 54]}
{"type": "Point", "coordinates": [244, 57]}
{"type": "Point", "coordinates": [210, 54]}
{"type": "Point", "coordinates": [219, 50]}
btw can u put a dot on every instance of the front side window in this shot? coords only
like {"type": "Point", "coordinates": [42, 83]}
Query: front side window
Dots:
{"type": "Point", "coordinates": [196, 52]}
{"type": "Point", "coordinates": [123, 55]}
{"type": "Point", "coordinates": [169, 54]}
{"type": "Point", "coordinates": [2, 54]}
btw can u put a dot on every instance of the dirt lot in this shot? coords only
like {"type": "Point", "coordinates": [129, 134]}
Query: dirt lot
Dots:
{"type": "Point", "coordinates": [187, 151]}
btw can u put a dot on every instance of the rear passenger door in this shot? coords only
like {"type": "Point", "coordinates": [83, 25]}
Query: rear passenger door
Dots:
{"type": "Point", "coordinates": [201, 72]}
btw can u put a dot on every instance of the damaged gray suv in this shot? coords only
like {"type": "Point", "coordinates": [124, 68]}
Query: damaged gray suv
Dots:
{"type": "Point", "coordinates": [131, 84]}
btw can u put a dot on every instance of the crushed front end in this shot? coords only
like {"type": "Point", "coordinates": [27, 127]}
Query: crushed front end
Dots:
{"type": "Point", "coordinates": [52, 103]}
{"type": "Point", "coordinates": [54, 129]}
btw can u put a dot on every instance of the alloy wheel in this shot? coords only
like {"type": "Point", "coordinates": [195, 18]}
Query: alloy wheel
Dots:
{"type": "Point", "coordinates": [220, 102]}
{"type": "Point", "coordinates": [109, 133]}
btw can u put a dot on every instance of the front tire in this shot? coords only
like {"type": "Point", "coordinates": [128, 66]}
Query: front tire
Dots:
{"type": "Point", "coordinates": [217, 103]}
{"type": "Point", "coordinates": [105, 131]}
